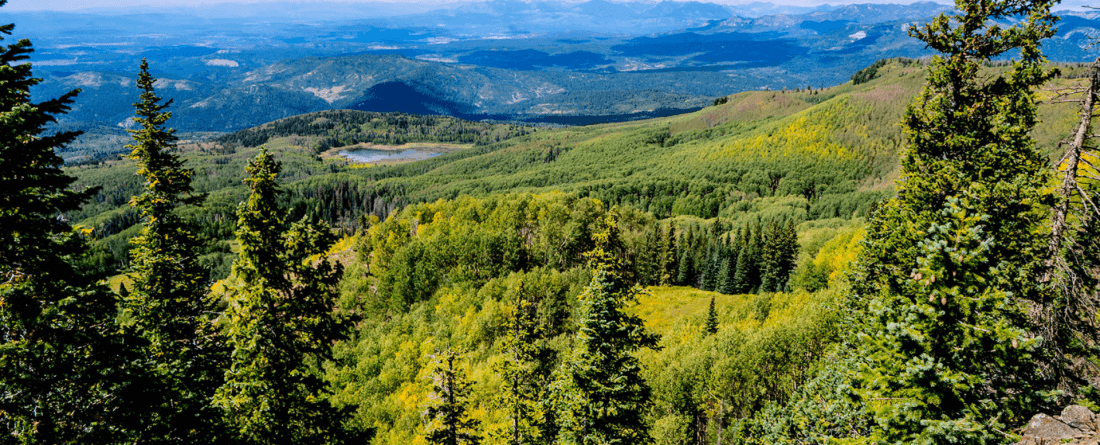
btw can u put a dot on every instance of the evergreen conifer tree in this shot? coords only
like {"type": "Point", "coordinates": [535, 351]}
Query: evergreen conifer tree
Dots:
{"type": "Point", "coordinates": [169, 304]}
{"type": "Point", "coordinates": [747, 277]}
{"type": "Point", "coordinates": [281, 323]}
{"type": "Point", "coordinates": [520, 392]}
{"type": "Point", "coordinates": [709, 279]}
{"type": "Point", "coordinates": [448, 422]}
{"type": "Point", "coordinates": [780, 250]}
{"type": "Point", "coordinates": [62, 364]}
{"type": "Point", "coordinates": [649, 260]}
{"type": "Point", "coordinates": [601, 394]}
{"type": "Point", "coordinates": [685, 266]}
{"type": "Point", "coordinates": [668, 256]}
{"type": "Point", "coordinates": [951, 264]}
{"type": "Point", "coordinates": [728, 275]}
{"type": "Point", "coordinates": [711, 325]}
{"type": "Point", "coordinates": [726, 272]}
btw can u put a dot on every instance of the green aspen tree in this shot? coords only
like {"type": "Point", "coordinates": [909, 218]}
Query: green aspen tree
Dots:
{"type": "Point", "coordinates": [280, 322]}
{"type": "Point", "coordinates": [599, 389]}
{"type": "Point", "coordinates": [62, 364]}
{"type": "Point", "coordinates": [168, 304]}
{"type": "Point", "coordinates": [951, 265]}
{"type": "Point", "coordinates": [448, 420]}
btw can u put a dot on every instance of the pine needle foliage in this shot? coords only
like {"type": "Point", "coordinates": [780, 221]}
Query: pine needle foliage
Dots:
{"type": "Point", "coordinates": [448, 420]}
{"type": "Point", "coordinates": [711, 325]}
{"type": "Point", "coordinates": [600, 392]}
{"type": "Point", "coordinates": [280, 322]}
{"type": "Point", "coordinates": [520, 392]}
{"type": "Point", "coordinates": [61, 361]}
{"type": "Point", "coordinates": [951, 264]}
{"type": "Point", "coordinates": [169, 305]}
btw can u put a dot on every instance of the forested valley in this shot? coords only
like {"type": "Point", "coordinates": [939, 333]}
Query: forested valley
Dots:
{"type": "Point", "coordinates": [910, 257]}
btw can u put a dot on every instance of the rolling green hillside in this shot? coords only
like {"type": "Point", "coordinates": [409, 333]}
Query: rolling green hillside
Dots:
{"type": "Point", "coordinates": [440, 252]}
{"type": "Point", "coordinates": [804, 155]}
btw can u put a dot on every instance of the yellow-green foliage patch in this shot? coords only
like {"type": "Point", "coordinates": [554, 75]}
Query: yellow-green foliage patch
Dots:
{"type": "Point", "coordinates": [117, 281]}
{"type": "Point", "coordinates": [799, 135]}
{"type": "Point", "coordinates": [662, 306]}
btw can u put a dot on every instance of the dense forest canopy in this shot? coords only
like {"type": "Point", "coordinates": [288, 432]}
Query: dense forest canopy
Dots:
{"type": "Point", "coordinates": [907, 257]}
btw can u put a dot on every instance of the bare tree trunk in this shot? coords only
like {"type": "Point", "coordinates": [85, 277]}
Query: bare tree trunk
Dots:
{"type": "Point", "coordinates": [1072, 160]}
{"type": "Point", "coordinates": [1068, 315]}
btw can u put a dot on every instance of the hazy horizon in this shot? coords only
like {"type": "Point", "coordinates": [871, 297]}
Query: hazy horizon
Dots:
{"type": "Point", "coordinates": [413, 6]}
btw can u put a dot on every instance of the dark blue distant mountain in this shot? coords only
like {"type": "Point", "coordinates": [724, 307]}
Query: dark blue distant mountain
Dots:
{"type": "Point", "coordinates": [760, 9]}
{"type": "Point", "coordinates": [878, 13]}
{"type": "Point", "coordinates": [404, 98]}
{"type": "Point", "coordinates": [716, 48]}
{"type": "Point", "coordinates": [823, 26]}
{"type": "Point", "coordinates": [591, 61]}
{"type": "Point", "coordinates": [165, 52]}
{"type": "Point", "coordinates": [687, 11]}
{"type": "Point", "coordinates": [529, 59]}
{"type": "Point", "coordinates": [603, 8]}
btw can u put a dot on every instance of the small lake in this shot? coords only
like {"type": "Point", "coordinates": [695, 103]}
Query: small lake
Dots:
{"type": "Point", "coordinates": [373, 156]}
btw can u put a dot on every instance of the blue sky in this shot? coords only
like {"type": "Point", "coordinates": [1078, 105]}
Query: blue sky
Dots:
{"type": "Point", "coordinates": [396, 6]}
{"type": "Point", "coordinates": [76, 5]}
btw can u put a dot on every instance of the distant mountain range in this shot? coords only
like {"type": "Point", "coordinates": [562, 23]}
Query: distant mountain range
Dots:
{"type": "Point", "coordinates": [502, 59]}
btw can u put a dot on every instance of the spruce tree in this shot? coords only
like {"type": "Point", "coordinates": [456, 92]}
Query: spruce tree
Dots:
{"type": "Point", "coordinates": [778, 256]}
{"type": "Point", "coordinates": [520, 392]}
{"type": "Point", "coordinates": [788, 255]}
{"type": "Point", "coordinates": [668, 256]}
{"type": "Point", "coordinates": [448, 422]}
{"type": "Point", "coordinates": [951, 264]}
{"type": "Point", "coordinates": [62, 364]}
{"type": "Point", "coordinates": [280, 322]}
{"type": "Point", "coordinates": [711, 325]}
{"type": "Point", "coordinates": [169, 305]}
{"type": "Point", "coordinates": [726, 272]}
{"type": "Point", "coordinates": [709, 279]}
{"type": "Point", "coordinates": [601, 394]}
{"type": "Point", "coordinates": [649, 259]}
{"type": "Point", "coordinates": [685, 266]}
{"type": "Point", "coordinates": [728, 276]}
{"type": "Point", "coordinates": [747, 278]}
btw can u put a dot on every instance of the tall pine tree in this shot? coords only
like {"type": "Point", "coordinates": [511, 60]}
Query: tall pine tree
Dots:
{"type": "Point", "coordinates": [280, 322]}
{"type": "Point", "coordinates": [601, 394]}
{"type": "Point", "coordinates": [61, 362]}
{"type": "Point", "coordinates": [448, 422]}
{"type": "Point", "coordinates": [747, 277]}
{"type": "Point", "coordinates": [780, 250]}
{"type": "Point", "coordinates": [668, 255]}
{"type": "Point", "coordinates": [520, 392]}
{"type": "Point", "coordinates": [710, 327]}
{"type": "Point", "coordinates": [169, 305]}
{"type": "Point", "coordinates": [952, 262]}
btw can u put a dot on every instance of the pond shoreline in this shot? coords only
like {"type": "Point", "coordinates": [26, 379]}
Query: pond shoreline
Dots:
{"type": "Point", "coordinates": [365, 153]}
